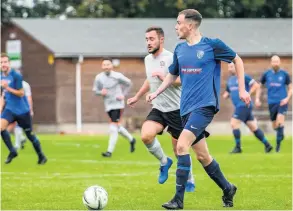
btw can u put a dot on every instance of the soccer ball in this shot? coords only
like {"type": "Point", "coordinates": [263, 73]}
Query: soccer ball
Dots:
{"type": "Point", "coordinates": [95, 198]}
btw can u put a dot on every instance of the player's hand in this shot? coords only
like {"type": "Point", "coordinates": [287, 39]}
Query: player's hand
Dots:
{"type": "Point", "coordinates": [258, 103]}
{"type": "Point", "coordinates": [32, 113]}
{"type": "Point", "coordinates": [150, 97]}
{"type": "Point", "coordinates": [158, 74]}
{"type": "Point", "coordinates": [245, 97]}
{"type": "Point", "coordinates": [4, 84]}
{"type": "Point", "coordinates": [284, 101]}
{"type": "Point", "coordinates": [104, 92]}
{"type": "Point", "coordinates": [132, 101]}
{"type": "Point", "coordinates": [121, 97]}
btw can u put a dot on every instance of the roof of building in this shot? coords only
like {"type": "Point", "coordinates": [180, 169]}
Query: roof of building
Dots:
{"type": "Point", "coordinates": [125, 37]}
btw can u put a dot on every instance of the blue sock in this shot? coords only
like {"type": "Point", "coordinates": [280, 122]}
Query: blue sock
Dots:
{"type": "Point", "coordinates": [237, 135]}
{"type": "Point", "coordinates": [36, 143]}
{"type": "Point", "coordinates": [215, 173]}
{"type": "Point", "coordinates": [260, 136]}
{"type": "Point", "coordinates": [280, 134]}
{"type": "Point", "coordinates": [6, 138]}
{"type": "Point", "coordinates": [183, 169]}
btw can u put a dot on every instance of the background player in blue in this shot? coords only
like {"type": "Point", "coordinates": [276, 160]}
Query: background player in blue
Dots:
{"type": "Point", "coordinates": [276, 81]}
{"type": "Point", "coordinates": [198, 62]}
{"type": "Point", "coordinates": [243, 113]}
{"type": "Point", "coordinates": [16, 109]}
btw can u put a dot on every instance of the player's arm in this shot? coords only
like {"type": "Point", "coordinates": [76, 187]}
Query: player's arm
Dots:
{"type": "Point", "coordinates": [126, 83]}
{"type": "Point", "coordinates": [18, 91]}
{"type": "Point", "coordinates": [259, 91]}
{"type": "Point", "coordinates": [98, 87]}
{"type": "Point", "coordinates": [252, 84]}
{"type": "Point", "coordinates": [224, 53]}
{"type": "Point", "coordinates": [2, 103]}
{"type": "Point", "coordinates": [28, 94]}
{"type": "Point", "coordinates": [289, 95]}
{"type": "Point", "coordinates": [226, 93]}
{"type": "Point", "coordinates": [141, 92]}
{"type": "Point", "coordinates": [143, 89]}
{"type": "Point", "coordinates": [160, 75]}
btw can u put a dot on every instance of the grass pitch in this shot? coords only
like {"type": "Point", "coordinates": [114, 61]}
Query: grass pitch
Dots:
{"type": "Point", "coordinates": [264, 181]}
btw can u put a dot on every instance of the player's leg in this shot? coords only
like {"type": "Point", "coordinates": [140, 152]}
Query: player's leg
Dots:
{"type": "Point", "coordinates": [235, 125]}
{"type": "Point", "coordinates": [212, 168]}
{"type": "Point", "coordinates": [25, 122]}
{"type": "Point", "coordinates": [122, 131]}
{"type": "Point", "coordinates": [279, 125]}
{"type": "Point", "coordinates": [253, 127]}
{"type": "Point", "coordinates": [6, 118]}
{"type": "Point", "coordinates": [19, 137]}
{"type": "Point", "coordinates": [149, 130]}
{"type": "Point", "coordinates": [195, 124]}
{"type": "Point", "coordinates": [175, 127]}
{"type": "Point", "coordinates": [190, 185]}
{"type": "Point", "coordinates": [113, 132]}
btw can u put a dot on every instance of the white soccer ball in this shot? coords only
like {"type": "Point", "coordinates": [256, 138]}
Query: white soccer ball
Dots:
{"type": "Point", "coordinates": [95, 198]}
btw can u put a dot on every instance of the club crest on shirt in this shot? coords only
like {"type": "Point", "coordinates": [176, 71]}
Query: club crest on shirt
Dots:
{"type": "Point", "coordinates": [280, 78]}
{"type": "Point", "coordinates": [200, 54]}
{"type": "Point", "coordinates": [162, 63]}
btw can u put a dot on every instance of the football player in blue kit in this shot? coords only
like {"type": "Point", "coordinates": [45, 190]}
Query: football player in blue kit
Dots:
{"type": "Point", "coordinates": [198, 63]}
{"type": "Point", "coordinates": [16, 109]}
{"type": "Point", "coordinates": [276, 80]}
{"type": "Point", "coordinates": [243, 113]}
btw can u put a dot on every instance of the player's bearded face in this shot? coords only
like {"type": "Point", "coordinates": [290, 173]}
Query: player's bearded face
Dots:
{"type": "Point", "coordinates": [153, 42]}
{"type": "Point", "coordinates": [5, 64]}
{"type": "Point", "coordinates": [107, 66]}
{"type": "Point", "coordinates": [275, 62]}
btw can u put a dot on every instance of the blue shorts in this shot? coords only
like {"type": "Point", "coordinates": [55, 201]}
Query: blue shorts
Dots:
{"type": "Point", "coordinates": [23, 120]}
{"type": "Point", "coordinates": [197, 121]}
{"type": "Point", "coordinates": [243, 113]}
{"type": "Point", "coordinates": [276, 109]}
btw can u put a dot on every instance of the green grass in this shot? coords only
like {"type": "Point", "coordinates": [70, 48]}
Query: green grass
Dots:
{"type": "Point", "coordinates": [264, 181]}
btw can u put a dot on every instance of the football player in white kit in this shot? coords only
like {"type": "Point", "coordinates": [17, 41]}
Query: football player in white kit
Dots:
{"type": "Point", "coordinates": [113, 87]}
{"type": "Point", "coordinates": [165, 108]}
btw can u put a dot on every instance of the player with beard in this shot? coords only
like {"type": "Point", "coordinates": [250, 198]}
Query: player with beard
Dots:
{"type": "Point", "coordinates": [165, 111]}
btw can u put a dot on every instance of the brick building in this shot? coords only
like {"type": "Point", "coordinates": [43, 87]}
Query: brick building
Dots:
{"type": "Point", "coordinates": [50, 49]}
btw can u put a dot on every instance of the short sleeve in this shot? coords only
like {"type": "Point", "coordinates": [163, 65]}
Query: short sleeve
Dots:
{"type": "Point", "coordinates": [287, 79]}
{"type": "Point", "coordinates": [174, 67]}
{"type": "Point", "coordinates": [263, 79]}
{"type": "Point", "coordinates": [222, 52]}
{"type": "Point", "coordinates": [18, 81]}
{"type": "Point", "coordinates": [249, 80]}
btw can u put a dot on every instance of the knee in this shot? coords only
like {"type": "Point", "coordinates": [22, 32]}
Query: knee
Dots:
{"type": "Point", "coordinates": [181, 148]}
{"type": "Point", "coordinates": [234, 126]}
{"type": "Point", "coordinates": [203, 158]}
{"type": "Point", "coordinates": [147, 138]}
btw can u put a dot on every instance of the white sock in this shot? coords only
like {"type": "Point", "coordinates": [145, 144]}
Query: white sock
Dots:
{"type": "Point", "coordinates": [18, 137]}
{"type": "Point", "coordinates": [190, 175]}
{"type": "Point", "coordinates": [125, 133]}
{"type": "Point", "coordinates": [113, 129]}
{"type": "Point", "coordinates": [156, 149]}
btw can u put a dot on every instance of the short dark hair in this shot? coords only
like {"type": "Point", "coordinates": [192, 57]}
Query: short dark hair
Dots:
{"type": "Point", "coordinates": [107, 59]}
{"type": "Point", "coordinates": [192, 14]}
{"type": "Point", "coordinates": [4, 55]}
{"type": "Point", "coordinates": [157, 29]}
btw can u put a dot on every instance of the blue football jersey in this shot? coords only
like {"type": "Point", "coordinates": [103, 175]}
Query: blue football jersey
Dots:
{"type": "Point", "coordinates": [17, 105]}
{"type": "Point", "coordinates": [276, 83]}
{"type": "Point", "coordinates": [233, 89]}
{"type": "Point", "coordinates": [199, 67]}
